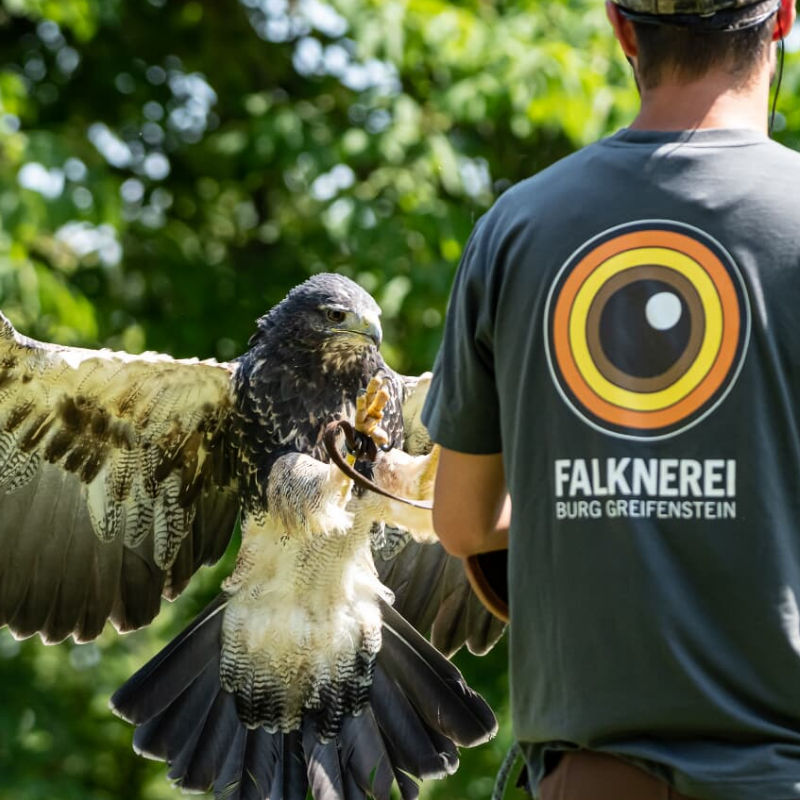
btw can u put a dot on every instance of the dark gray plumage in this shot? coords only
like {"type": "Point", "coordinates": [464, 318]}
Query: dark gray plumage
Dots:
{"type": "Point", "coordinates": [432, 593]}
{"type": "Point", "coordinates": [120, 475]}
{"type": "Point", "coordinates": [308, 360]}
{"type": "Point", "coordinates": [419, 709]}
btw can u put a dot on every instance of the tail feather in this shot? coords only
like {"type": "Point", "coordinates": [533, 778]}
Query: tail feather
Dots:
{"type": "Point", "coordinates": [419, 708]}
{"type": "Point", "coordinates": [259, 765]}
{"type": "Point", "coordinates": [364, 755]}
{"type": "Point", "coordinates": [409, 788]}
{"type": "Point", "coordinates": [413, 746]}
{"type": "Point", "coordinates": [292, 783]}
{"type": "Point", "coordinates": [352, 791]}
{"type": "Point", "coordinates": [434, 686]}
{"type": "Point", "coordinates": [201, 757]}
{"type": "Point", "coordinates": [367, 757]}
{"type": "Point", "coordinates": [324, 770]}
{"type": "Point", "coordinates": [183, 720]}
{"type": "Point", "coordinates": [143, 696]}
{"type": "Point", "coordinates": [228, 781]}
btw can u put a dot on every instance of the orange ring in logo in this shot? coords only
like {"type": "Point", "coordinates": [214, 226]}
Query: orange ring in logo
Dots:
{"type": "Point", "coordinates": [642, 411]}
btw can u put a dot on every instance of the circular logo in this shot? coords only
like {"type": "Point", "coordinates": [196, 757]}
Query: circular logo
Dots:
{"type": "Point", "coordinates": [646, 328]}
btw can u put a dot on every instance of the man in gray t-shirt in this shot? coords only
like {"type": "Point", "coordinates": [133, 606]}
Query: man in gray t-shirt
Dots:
{"type": "Point", "coordinates": [622, 357]}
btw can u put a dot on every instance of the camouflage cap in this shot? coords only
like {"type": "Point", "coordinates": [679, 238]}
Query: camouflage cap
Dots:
{"type": "Point", "coordinates": [709, 14]}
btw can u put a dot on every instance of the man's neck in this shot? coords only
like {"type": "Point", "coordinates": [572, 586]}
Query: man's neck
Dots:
{"type": "Point", "coordinates": [713, 102]}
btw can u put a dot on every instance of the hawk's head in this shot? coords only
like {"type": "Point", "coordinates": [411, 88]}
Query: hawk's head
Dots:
{"type": "Point", "coordinates": [329, 315]}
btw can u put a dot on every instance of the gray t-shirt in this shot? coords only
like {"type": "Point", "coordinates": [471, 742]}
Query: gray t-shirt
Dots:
{"type": "Point", "coordinates": [625, 328]}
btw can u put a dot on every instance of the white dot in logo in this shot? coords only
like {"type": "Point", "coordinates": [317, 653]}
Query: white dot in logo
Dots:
{"type": "Point", "coordinates": [663, 310]}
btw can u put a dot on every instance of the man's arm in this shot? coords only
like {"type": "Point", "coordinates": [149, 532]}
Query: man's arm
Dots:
{"type": "Point", "coordinates": [471, 507]}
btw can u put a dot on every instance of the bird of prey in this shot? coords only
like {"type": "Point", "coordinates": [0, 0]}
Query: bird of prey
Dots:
{"type": "Point", "coordinates": [121, 475]}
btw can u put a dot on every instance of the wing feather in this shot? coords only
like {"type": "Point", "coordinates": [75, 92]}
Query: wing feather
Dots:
{"type": "Point", "coordinates": [430, 586]}
{"type": "Point", "coordinates": [116, 483]}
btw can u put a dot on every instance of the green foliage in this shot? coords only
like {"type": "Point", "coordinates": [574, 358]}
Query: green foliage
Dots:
{"type": "Point", "coordinates": [168, 170]}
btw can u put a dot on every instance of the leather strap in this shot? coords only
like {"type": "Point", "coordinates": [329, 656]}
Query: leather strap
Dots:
{"type": "Point", "coordinates": [486, 572]}
{"type": "Point", "coordinates": [364, 448]}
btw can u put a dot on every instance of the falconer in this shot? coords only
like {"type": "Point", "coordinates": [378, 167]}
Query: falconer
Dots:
{"type": "Point", "coordinates": [636, 304]}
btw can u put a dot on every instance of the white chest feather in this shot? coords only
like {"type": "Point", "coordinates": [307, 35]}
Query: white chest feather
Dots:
{"type": "Point", "coordinates": [303, 624]}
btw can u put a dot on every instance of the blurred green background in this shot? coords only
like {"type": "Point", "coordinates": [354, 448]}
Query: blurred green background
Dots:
{"type": "Point", "coordinates": [170, 168]}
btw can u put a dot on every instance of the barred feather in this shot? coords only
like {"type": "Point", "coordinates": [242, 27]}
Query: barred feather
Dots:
{"type": "Point", "coordinates": [99, 420]}
{"type": "Point", "coordinates": [186, 718]}
{"type": "Point", "coordinates": [144, 462]}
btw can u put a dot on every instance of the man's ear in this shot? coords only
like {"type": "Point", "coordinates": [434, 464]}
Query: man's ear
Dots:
{"type": "Point", "coordinates": [784, 20]}
{"type": "Point", "coordinates": [623, 30]}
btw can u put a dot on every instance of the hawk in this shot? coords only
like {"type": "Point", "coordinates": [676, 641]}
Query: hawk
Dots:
{"type": "Point", "coordinates": [120, 475]}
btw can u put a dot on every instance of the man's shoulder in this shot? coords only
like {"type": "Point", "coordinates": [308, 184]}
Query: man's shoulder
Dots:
{"type": "Point", "coordinates": [570, 167]}
{"type": "Point", "coordinates": [783, 151]}
{"type": "Point", "coordinates": [551, 191]}
{"type": "Point", "coordinates": [784, 160]}
{"type": "Point", "coordinates": [598, 167]}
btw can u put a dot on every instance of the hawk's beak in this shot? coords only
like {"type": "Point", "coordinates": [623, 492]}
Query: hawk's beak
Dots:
{"type": "Point", "coordinates": [369, 325]}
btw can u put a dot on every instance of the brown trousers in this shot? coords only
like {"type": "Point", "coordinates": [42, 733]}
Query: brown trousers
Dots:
{"type": "Point", "coordinates": [595, 776]}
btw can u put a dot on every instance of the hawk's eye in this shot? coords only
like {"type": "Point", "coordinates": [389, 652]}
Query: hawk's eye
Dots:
{"type": "Point", "coordinates": [335, 315]}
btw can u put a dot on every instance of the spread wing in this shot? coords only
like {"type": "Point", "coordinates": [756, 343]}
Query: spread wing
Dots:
{"type": "Point", "coordinates": [115, 483]}
{"type": "Point", "coordinates": [430, 586]}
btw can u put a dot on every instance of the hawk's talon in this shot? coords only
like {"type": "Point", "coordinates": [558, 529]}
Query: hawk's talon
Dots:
{"type": "Point", "coordinates": [359, 444]}
{"type": "Point", "coordinates": [364, 447]}
{"type": "Point", "coordinates": [369, 410]}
